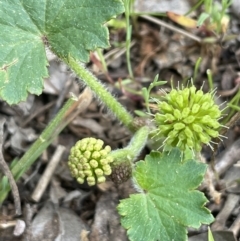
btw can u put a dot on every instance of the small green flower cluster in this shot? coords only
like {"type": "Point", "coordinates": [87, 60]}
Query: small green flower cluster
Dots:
{"type": "Point", "coordinates": [88, 159]}
{"type": "Point", "coordinates": [187, 119]}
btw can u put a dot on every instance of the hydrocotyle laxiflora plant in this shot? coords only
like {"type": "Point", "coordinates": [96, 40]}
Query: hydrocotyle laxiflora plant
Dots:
{"type": "Point", "coordinates": [166, 201]}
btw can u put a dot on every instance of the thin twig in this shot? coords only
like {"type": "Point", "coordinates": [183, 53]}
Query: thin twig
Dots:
{"type": "Point", "coordinates": [223, 215]}
{"type": "Point", "coordinates": [48, 173]}
{"type": "Point", "coordinates": [116, 53]}
{"type": "Point", "coordinates": [6, 171]}
{"type": "Point", "coordinates": [173, 28]}
{"type": "Point", "coordinates": [226, 93]}
{"type": "Point", "coordinates": [38, 112]}
{"type": "Point", "coordinates": [229, 157]}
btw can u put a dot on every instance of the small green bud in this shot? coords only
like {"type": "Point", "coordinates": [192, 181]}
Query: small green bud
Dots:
{"type": "Point", "coordinates": [98, 172]}
{"type": "Point", "coordinates": [185, 94]}
{"type": "Point", "coordinates": [107, 170]}
{"type": "Point", "coordinates": [93, 163]}
{"type": "Point", "coordinates": [170, 140]}
{"type": "Point", "coordinates": [177, 114]}
{"type": "Point", "coordinates": [96, 155]}
{"type": "Point", "coordinates": [86, 166]}
{"type": "Point", "coordinates": [109, 159]}
{"type": "Point", "coordinates": [185, 112]}
{"type": "Point", "coordinates": [182, 136]}
{"type": "Point", "coordinates": [79, 166]}
{"type": "Point", "coordinates": [214, 112]}
{"type": "Point", "coordinates": [80, 180]}
{"type": "Point", "coordinates": [74, 160]}
{"type": "Point", "coordinates": [206, 98]}
{"type": "Point", "coordinates": [98, 145]}
{"type": "Point", "coordinates": [88, 173]}
{"type": "Point", "coordinates": [160, 118]}
{"type": "Point", "coordinates": [195, 108]}
{"type": "Point", "coordinates": [172, 134]}
{"type": "Point", "coordinates": [192, 90]}
{"type": "Point", "coordinates": [75, 172]}
{"type": "Point", "coordinates": [204, 138]}
{"type": "Point", "coordinates": [101, 179]}
{"type": "Point", "coordinates": [83, 147]}
{"type": "Point", "coordinates": [87, 154]}
{"type": "Point", "coordinates": [212, 133]}
{"type": "Point", "coordinates": [165, 128]}
{"type": "Point", "coordinates": [188, 120]}
{"type": "Point", "coordinates": [180, 101]}
{"type": "Point", "coordinates": [104, 162]}
{"type": "Point", "coordinates": [77, 153]}
{"type": "Point", "coordinates": [91, 181]}
{"type": "Point", "coordinates": [205, 106]}
{"type": "Point", "coordinates": [190, 142]}
{"type": "Point", "coordinates": [104, 152]}
{"type": "Point", "coordinates": [214, 124]}
{"type": "Point", "coordinates": [198, 95]}
{"type": "Point", "coordinates": [188, 132]}
{"type": "Point", "coordinates": [179, 126]}
{"type": "Point", "coordinates": [197, 128]}
{"type": "Point", "coordinates": [107, 149]}
{"type": "Point", "coordinates": [83, 160]}
{"type": "Point", "coordinates": [173, 95]}
{"type": "Point", "coordinates": [170, 118]}
{"type": "Point", "coordinates": [165, 107]}
{"type": "Point", "coordinates": [80, 174]}
{"type": "Point", "coordinates": [89, 160]}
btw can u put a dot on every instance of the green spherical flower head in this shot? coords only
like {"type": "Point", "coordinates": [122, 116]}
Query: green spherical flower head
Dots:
{"type": "Point", "coordinates": [187, 119]}
{"type": "Point", "coordinates": [89, 160]}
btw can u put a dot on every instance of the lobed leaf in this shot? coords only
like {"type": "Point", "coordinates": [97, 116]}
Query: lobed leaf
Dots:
{"type": "Point", "coordinates": [67, 26]}
{"type": "Point", "coordinates": [168, 202]}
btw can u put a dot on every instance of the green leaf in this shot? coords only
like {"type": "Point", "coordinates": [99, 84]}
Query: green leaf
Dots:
{"type": "Point", "coordinates": [168, 202]}
{"type": "Point", "coordinates": [202, 19]}
{"type": "Point", "coordinates": [67, 26]}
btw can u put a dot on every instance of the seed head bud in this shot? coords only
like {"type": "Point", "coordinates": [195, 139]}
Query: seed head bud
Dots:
{"type": "Point", "coordinates": [89, 160]}
{"type": "Point", "coordinates": [187, 119]}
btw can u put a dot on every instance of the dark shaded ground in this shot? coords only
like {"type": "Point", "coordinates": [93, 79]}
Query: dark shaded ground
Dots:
{"type": "Point", "coordinates": [155, 50]}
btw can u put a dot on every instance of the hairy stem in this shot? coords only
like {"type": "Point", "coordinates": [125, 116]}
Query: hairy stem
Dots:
{"type": "Point", "coordinates": [132, 151]}
{"type": "Point", "coordinates": [100, 91]}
